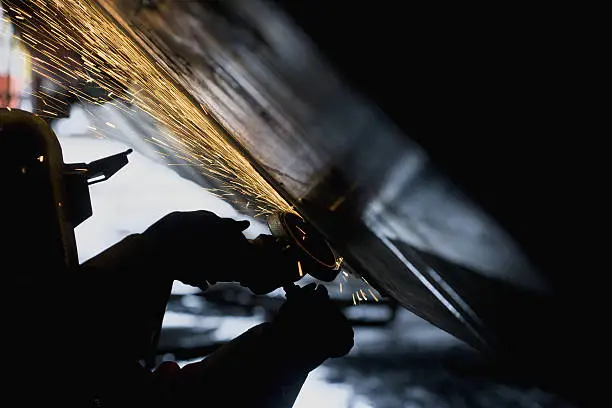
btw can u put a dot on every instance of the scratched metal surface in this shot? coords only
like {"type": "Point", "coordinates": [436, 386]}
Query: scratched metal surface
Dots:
{"type": "Point", "coordinates": [333, 154]}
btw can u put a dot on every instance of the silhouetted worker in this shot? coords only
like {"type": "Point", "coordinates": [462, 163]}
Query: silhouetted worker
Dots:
{"type": "Point", "coordinates": [263, 367]}
{"type": "Point", "coordinates": [75, 335]}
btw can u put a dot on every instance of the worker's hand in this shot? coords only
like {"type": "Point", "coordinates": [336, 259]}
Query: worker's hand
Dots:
{"type": "Point", "coordinates": [315, 324]}
{"type": "Point", "coordinates": [201, 248]}
{"type": "Point", "coordinates": [268, 266]}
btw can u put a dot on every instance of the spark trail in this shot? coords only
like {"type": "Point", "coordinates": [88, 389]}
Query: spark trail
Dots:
{"type": "Point", "coordinates": [73, 43]}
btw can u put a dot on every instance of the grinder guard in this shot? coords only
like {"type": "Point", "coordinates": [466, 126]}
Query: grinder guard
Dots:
{"type": "Point", "coordinates": [307, 245]}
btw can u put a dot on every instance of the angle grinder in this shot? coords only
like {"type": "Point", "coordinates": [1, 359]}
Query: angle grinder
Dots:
{"type": "Point", "coordinates": [313, 254]}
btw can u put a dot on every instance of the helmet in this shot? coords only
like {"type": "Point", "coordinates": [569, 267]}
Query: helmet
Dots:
{"type": "Point", "coordinates": [43, 198]}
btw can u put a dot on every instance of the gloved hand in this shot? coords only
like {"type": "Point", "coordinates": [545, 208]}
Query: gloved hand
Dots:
{"type": "Point", "coordinates": [201, 248]}
{"type": "Point", "coordinates": [315, 324]}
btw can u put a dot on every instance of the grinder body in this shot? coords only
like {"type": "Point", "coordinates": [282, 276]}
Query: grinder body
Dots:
{"type": "Point", "coordinates": [313, 254]}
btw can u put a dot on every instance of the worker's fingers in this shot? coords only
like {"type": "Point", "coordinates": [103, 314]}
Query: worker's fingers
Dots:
{"type": "Point", "coordinates": [242, 224]}
{"type": "Point", "coordinates": [200, 221]}
{"type": "Point", "coordinates": [346, 341]}
{"type": "Point", "coordinates": [310, 314]}
{"type": "Point", "coordinates": [315, 291]}
{"type": "Point", "coordinates": [264, 240]}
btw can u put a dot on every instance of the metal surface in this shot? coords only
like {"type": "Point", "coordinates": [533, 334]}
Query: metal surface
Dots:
{"type": "Point", "coordinates": [349, 171]}
{"type": "Point", "coordinates": [315, 140]}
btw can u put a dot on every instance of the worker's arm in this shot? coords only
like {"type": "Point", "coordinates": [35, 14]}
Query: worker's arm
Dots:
{"type": "Point", "coordinates": [198, 248]}
{"type": "Point", "coordinates": [129, 284]}
{"type": "Point", "coordinates": [266, 366]}
{"type": "Point", "coordinates": [126, 295]}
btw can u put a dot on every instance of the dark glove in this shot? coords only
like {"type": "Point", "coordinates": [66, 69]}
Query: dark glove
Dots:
{"type": "Point", "coordinates": [201, 248]}
{"type": "Point", "coordinates": [315, 324]}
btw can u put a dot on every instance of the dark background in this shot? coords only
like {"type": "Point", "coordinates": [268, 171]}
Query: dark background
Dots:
{"type": "Point", "coordinates": [488, 91]}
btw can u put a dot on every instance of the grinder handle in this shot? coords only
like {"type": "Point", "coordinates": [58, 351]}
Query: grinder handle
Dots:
{"type": "Point", "coordinates": [290, 288]}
